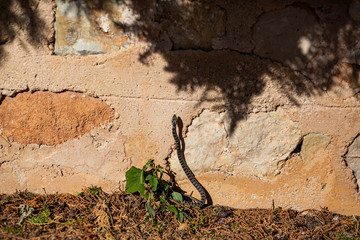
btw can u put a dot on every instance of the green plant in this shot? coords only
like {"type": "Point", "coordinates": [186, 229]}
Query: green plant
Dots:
{"type": "Point", "coordinates": [80, 194]}
{"type": "Point", "coordinates": [356, 224]}
{"type": "Point", "coordinates": [198, 223]}
{"type": "Point", "coordinates": [94, 190]}
{"type": "Point", "coordinates": [43, 217]}
{"type": "Point", "coordinates": [342, 236]}
{"type": "Point", "coordinates": [26, 211]}
{"type": "Point", "coordinates": [149, 183]}
{"type": "Point", "coordinates": [277, 210]}
{"type": "Point", "coordinates": [12, 230]}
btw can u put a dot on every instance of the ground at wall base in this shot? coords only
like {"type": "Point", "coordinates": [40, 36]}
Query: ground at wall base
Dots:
{"type": "Point", "coordinates": [94, 214]}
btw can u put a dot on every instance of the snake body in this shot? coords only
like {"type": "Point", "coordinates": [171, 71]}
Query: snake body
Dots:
{"type": "Point", "coordinates": [188, 172]}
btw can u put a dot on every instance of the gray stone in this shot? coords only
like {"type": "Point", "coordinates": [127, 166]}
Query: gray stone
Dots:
{"type": "Point", "coordinates": [262, 142]}
{"type": "Point", "coordinates": [313, 142]}
{"type": "Point", "coordinates": [354, 149]}
{"type": "Point", "coordinates": [354, 164]}
{"type": "Point", "coordinates": [82, 28]}
{"type": "Point", "coordinates": [191, 24]}
{"type": "Point", "coordinates": [83, 46]}
{"type": "Point", "coordinates": [258, 145]}
{"type": "Point", "coordinates": [353, 158]}
{"type": "Point", "coordinates": [205, 141]}
{"type": "Point", "coordinates": [290, 35]}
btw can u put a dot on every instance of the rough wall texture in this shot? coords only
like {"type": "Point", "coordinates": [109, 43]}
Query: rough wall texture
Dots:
{"type": "Point", "coordinates": [267, 92]}
{"type": "Point", "coordinates": [47, 118]}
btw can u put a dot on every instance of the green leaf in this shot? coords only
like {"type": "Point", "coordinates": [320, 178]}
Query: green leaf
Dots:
{"type": "Point", "coordinates": [133, 176]}
{"type": "Point", "coordinates": [47, 212]}
{"type": "Point", "coordinates": [38, 220]}
{"type": "Point", "coordinates": [142, 177]}
{"type": "Point", "coordinates": [163, 203]}
{"type": "Point", "coordinates": [173, 209]}
{"type": "Point", "coordinates": [143, 192]}
{"type": "Point", "coordinates": [277, 211]}
{"type": "Point", "coordinates": [167, 189]}
{"type": "Point", "coordinates": [150, 209]}
{"type": "Point", "coordinates": [162, 199]}
{"type": "Point", "coordinates": [12, 230]}
{"type": "Point", "coordinates": [180, 217]}
{"type": "Point", "coordinates": [177, 196]}
{"type": "Point", "coordinates": [154, 183]}
{"type": "Point", "coordinates": [149, 163]}
{"type": "Point", "coordinates": [158, 167]}
{"type": "Point", "coordinates": [148, 177]}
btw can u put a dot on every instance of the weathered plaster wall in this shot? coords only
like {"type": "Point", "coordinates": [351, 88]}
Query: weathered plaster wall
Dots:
{"type": "Point", "coordinates": [267, 92]}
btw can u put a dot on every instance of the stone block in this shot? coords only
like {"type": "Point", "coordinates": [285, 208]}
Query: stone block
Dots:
{"type": "Point", "coordinates": [191, 24]}
{"type": "Point", "coordinates": [257, 146]}
{"type": "Point", "coordinates": [289, 35]}
{"type": "Point", "coordinates": [90, 27]}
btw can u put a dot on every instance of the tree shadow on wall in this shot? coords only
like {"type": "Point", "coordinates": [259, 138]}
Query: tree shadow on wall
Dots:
{"type": "Point", "coordinates": [315, 43]}
{"type": "Point", "coordinates": [20, 17]}
{"type": "Point", "coordinates": [228, 50]}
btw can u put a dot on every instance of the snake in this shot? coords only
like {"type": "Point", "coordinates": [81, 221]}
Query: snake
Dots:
{"type": "Point", "coordinates": [187, 170]}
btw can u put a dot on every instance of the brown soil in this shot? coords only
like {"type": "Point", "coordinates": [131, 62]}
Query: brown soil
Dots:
{"type": "Point", "coordinates": [94, 214]}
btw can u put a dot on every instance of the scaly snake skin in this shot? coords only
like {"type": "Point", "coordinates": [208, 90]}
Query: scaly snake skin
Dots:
{"type": "Point", "coordinates": [187, 170]}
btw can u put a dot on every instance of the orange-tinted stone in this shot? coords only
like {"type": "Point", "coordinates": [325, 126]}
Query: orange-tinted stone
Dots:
{"type": "Point", "coordinates": [51, 118]}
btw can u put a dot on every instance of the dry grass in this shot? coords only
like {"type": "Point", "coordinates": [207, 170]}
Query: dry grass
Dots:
{"type": "Point", "coordinates": [98, 215]}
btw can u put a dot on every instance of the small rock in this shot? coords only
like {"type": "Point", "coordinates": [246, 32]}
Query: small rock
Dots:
{"type": "Point", "coordinates": [311, 143]}
{"type": "Point", "coordinates": [191, 24]}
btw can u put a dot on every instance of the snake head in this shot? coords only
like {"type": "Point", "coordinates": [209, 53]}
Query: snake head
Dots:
{"type": "Point", "coordinates": [174, 120]}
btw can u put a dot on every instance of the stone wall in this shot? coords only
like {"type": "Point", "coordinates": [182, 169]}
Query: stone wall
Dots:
{"type": "Point", "coordinates": [267, 92]}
